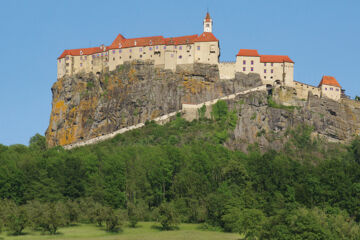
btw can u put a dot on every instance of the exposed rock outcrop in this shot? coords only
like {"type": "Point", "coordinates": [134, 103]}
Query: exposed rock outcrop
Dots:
{"type": "Point", "coordinates": [85, 106]}
{"type": "Point", "coordinates": [265, 125]}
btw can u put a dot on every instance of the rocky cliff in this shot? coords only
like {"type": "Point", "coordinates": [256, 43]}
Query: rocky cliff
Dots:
{"type": "Point", "coordinates": [265, 119]}
{"type": "Point", "coordinates": [85, 106]}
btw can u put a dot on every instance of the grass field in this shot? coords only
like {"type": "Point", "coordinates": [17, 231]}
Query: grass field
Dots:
{"type": "Point", "coordinates": [144, 231]}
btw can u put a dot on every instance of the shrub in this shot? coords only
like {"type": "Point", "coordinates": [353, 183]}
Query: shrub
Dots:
{"type": "Point", "coordinates": [47, 216]}
{"type": "Point", "coordinates": [168, 216]}
{"type": "Point", "coordinates": [15, 217]}
{"type": "Point", "coordinates": [113, 220]}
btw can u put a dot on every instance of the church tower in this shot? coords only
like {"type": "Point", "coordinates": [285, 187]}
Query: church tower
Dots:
{"type": "Point", "coordinates": [208, 23]}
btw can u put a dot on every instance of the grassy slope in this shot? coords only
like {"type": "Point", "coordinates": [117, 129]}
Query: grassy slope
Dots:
{"type": "Point", "coordinates": [144, 231]}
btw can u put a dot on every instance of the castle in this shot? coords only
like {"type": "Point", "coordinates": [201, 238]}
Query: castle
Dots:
{"type": "Point", "coordinates": [169, 52]}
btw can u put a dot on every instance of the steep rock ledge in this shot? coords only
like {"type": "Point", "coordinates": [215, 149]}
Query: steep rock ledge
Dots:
{"type": "Point", "coordinates": [267, 126]}
{"type": "Point", "coordinates": [85, 106]}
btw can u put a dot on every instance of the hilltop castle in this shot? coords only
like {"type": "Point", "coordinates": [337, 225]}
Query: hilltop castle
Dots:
{"type": "Point", "coordinates": [204, 48]}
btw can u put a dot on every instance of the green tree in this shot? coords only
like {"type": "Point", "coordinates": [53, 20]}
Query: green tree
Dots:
{"type": "Point", "coordinates": [168, 216]}
{"type": "Point", "coordinates": [113, 220]}
{"type": "Point", "coordinates": [14, 217]}
{"type": "Point", "coordinates": [47, 216]}
{"type": "Point", "coordinates": [38, 142]}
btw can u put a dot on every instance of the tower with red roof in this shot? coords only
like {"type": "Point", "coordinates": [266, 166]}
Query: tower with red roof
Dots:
{"type": "Point", "coordinates": [208, 23]}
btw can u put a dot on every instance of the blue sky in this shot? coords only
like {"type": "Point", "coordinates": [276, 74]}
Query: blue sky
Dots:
{"type": "Point", "coordinates": [321, 36]}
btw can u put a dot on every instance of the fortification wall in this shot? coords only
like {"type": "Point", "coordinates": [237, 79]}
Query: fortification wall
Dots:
{"type": "Point", "coordinates": [227, 70]}
{"type": "Point", "coordinates": [302, 90]}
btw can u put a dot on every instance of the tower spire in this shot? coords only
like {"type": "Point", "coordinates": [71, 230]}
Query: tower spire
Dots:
{"type": "Point", "coordinates": [208, 23]}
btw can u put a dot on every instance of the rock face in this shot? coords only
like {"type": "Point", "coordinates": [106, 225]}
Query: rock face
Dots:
{"type": "Point", "coordinates": [260, 123]}
{"type": "Point", "coordinates": [85, 106]}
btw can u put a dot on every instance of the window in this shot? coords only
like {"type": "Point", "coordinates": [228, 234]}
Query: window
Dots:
{"type": "Point", "coordinates": [264, 70]}
{"type": "Point", "coordinates": [120, 51]}
{"type": "Point", "coordinates": [81, 52]}
{"type": "Point", "coordinates": [252, 69]}
{"type": "Point", "coordinates": [337, 89]}
{"type": "Point", "coordinates": [325, 89]}
{"type": "Point", "coordinates": [244, 69]}
{"type": "Point", "coordinates": [172, 55]}
{"type": "Point", "coordinates": [272, 70]}
{"type": "Point", "coordinates": [80, 64]}
{"type": "Point", "coordinates": [98, 54]}
{"type": "Point", "coordinates": [175, 46]}
{"type": "Point", "coordinates": [140, 49]}
{"type": "Point", "coordinates": [150, 48]}
{"type": "Point", "coordinates": [157, 47]}
{"type": "Point", "coordinates": [102, 54]}
{"type": "Point", "coordinates": [272, 64]}
{"type": "Point", "coordinates": [198, 47]}
{"type": "Point", "coordinates": [180, 57]}
{"type": "Point", "coordinates": [265, 64]}
{"type": "Point", "coordinates": [113, 51]}
{"type": "Point", "coordinates": [93, 56]}
{"type": "Point", "coordinates": [244, 62]}
{"type": "Point", "coordinates": [67, 58]}
{"type": "Point", "coordinates": [180, 48]}
{"type": "Point", "coordinates": [150, 42]}
{"type": "Point", "coordinates": [164, 47]}
{"type": "Point", "coordinates": [59, 60]}
{"type": "Point", "coordinates": [207, 25]}
{"type": "Point", "coordinates": [106, 54]}
{"type": "Point", "coordinates": [130, 50]}
{"type": "Point", "coordinates": [331, 89]}
{"type": "Point", "coordinates": [252, 62]}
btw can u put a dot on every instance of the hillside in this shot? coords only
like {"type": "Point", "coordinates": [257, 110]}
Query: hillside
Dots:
{"type": "Point", "coordinates": [305, 189]}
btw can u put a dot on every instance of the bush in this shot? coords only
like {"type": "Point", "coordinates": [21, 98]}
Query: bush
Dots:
{"type": "Point", "coordinates": [14, 217]}
{"type": "Point", "coordinates": [245, 221]}
{"type": "Point", "coordinates": [135, 212]}
{"type": "Point", "coordinates": [47, 217]}
{"type": "Point", "coordinates": [113, 220]}
{"type": "Point", "coordinates": [168, 216]}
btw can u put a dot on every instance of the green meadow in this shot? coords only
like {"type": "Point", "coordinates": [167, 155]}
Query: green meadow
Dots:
{"type": "Point", "coordinates": [143, 231]}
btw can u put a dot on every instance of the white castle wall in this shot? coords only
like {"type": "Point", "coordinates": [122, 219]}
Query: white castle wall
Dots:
{"type": "Point", "coordinates": [227, 70]}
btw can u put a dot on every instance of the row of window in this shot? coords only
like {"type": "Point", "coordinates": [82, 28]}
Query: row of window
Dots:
{"type": "Point", "coordinates": [252, 63]}
{"type": "Point", "coordinates": [331, 89]}
{"type": "Point", "coordinates": [252, 69]}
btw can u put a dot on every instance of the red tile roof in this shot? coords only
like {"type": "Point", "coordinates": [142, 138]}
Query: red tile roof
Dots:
{"type": "Point", "coordinates": [329, 80]}
{"type": "Point", "coordinates": [181, 40]}
{"type": "Point", "coordinates": [121, 42]}
{"type": "Point", "coordinates": [207, 18]}
{"type": "Point", "coordinates": [275, 59]}
{"type": "Point", "coordinates": [82, 51]}
{"type": "Point", "coordinates": [117, 41]}
{"type": "Point", "coordinates": [206, 37]}
{"type": "Point", "coordinates": [248, 53]}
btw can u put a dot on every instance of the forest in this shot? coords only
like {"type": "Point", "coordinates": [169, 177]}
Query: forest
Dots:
{"type": "Point", "coordinates": [183, 172]}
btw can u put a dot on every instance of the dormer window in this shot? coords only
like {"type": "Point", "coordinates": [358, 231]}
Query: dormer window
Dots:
{"type": "Point", "coordinates": [81, 52]}
{"type": "Point", "coordinates": [120, 45]}
{"type": "Point", "coordinates": [150, 42]}
{"type": "Point", "coordinates": [135, 43]}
